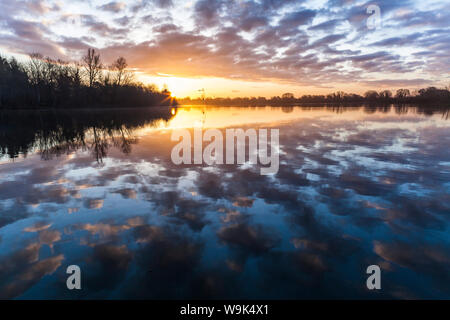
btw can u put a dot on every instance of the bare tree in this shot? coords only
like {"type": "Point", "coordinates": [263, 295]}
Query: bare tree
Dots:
{"type": "Point", "coordinates": [36, 68]}
{"type": "Point", "coordinates": [93, 65]}
{"type": "Point", "coordinates": [123, 76]}
{"type": "Point", "coordinates": [36, 73]}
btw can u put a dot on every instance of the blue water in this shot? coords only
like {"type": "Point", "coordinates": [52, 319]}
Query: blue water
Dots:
{"type": "Point", "coordinates": [356, 187]}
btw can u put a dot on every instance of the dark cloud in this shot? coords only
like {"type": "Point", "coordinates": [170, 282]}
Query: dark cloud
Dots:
{"type": "Point", "coordinates": [398, 41]}
{"type": "Point", "coordinates": [296, 19]}
{"type": "Point", "coordinates": [14, 213]}
{"type": "Point", "coordinates": [207, 12]}
{"type": "Point", "coordinates": [433, 261]}
{"type": "Point", "coordinates": [108, 267]}
{"type": "Point", "coordinates": [254, 239]}
{"type": "Point", "coordinates": [327, 25]}
{"type": "Point", "coordinates": [166, 260]}
{"type": "Point", "coordinates": [101, 28]}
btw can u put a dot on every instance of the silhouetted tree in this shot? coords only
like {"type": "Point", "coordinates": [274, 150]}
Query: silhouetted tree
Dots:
{"type": "Point", "coordinates": [36, 70]}
{"type": "Point", "coordinates": [45, 82]}
{"type": "Point", "coordinates": [15, 89]}
{"type": "Point", "coordinates": [424, 95]}
{"type": "Point", "coordinates": [288, 96]}
{"type": "Point", "coordinates": [123, 77]}
{"type": "Point", "coordinates": [92, 65]}
{"type": "Point", "coordinates": [385, 94]}
{"type": "Point", "coordinates": [371, 95]}
{"type": "Point", "coordinates": [434, 94]}
{"type": "Point", "coordinates": [402, 93]}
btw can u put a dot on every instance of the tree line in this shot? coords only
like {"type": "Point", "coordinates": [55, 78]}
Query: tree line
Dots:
{"type": "Point", "coordinates": [402, 96]}
{"type": "Point", "coordinates": [43, 82]}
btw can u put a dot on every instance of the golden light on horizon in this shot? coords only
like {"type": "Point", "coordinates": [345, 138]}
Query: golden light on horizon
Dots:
{"type": "Point", "coordinates": [189, 117]}
{"type": "Point", "coordinates": [182, 87]}
{"type": "Point", "coordinates": [179, 87]}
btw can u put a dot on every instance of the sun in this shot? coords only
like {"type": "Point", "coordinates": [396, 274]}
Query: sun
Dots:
{"type": "Point", "coordinates": [179, 87]}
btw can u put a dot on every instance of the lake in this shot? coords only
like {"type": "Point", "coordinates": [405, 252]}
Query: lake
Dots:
{"type": "Point", "coordinates": [356, 186]}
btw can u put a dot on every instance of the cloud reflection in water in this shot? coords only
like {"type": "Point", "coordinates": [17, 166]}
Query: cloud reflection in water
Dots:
{"type": "Point", "coordinates": [355, 187]}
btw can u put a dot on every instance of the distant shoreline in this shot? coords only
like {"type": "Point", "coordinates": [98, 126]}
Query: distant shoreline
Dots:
{"type": "Point", "coordinates": [435, 105]}
{"type": "Point", "coordinates": [324, 104]}
{"type": "Point", "coordinates": [430, 95]}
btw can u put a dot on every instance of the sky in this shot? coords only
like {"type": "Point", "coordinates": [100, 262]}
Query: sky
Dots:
{"type": "Point", "coordinates": [245, 47]}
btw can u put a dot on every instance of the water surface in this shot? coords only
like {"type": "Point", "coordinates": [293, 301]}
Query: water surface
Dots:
{"type": "Point", "coordinates": [356, 187]}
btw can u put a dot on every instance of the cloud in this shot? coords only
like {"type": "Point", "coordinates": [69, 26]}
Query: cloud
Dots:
{"type": "Point", "coordinates": [142, 5]}
{"type": "Point", "coordinates": [115, 7]}
{"type": "Point", "coordinates": [282, 41]}
{"type": "Point", "coordinates": [22, 269]}
{"type": "Point", "coordinates": [327, 25]}
{"type": "Point", "coordinates": [296, 19]}
{"type": "Point", "coordinates": [93, 203]}
{"type": "Point", "coordinates": [433, 261]}
{"type": "Point", "coordinates": [389, 83]}
{"type": "Point", "coordinates": [253, 239]}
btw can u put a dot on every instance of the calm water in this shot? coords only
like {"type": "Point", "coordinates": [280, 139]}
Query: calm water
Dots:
{"type": "Point", "coordinates": [356, 187]}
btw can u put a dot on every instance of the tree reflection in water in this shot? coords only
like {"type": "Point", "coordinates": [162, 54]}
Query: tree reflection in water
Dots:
{"type": "Point", "coordinates": [55, 133]}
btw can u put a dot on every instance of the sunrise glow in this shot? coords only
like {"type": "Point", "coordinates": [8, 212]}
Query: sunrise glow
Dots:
{"type": "Point", "coordinates": [244, 48]}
